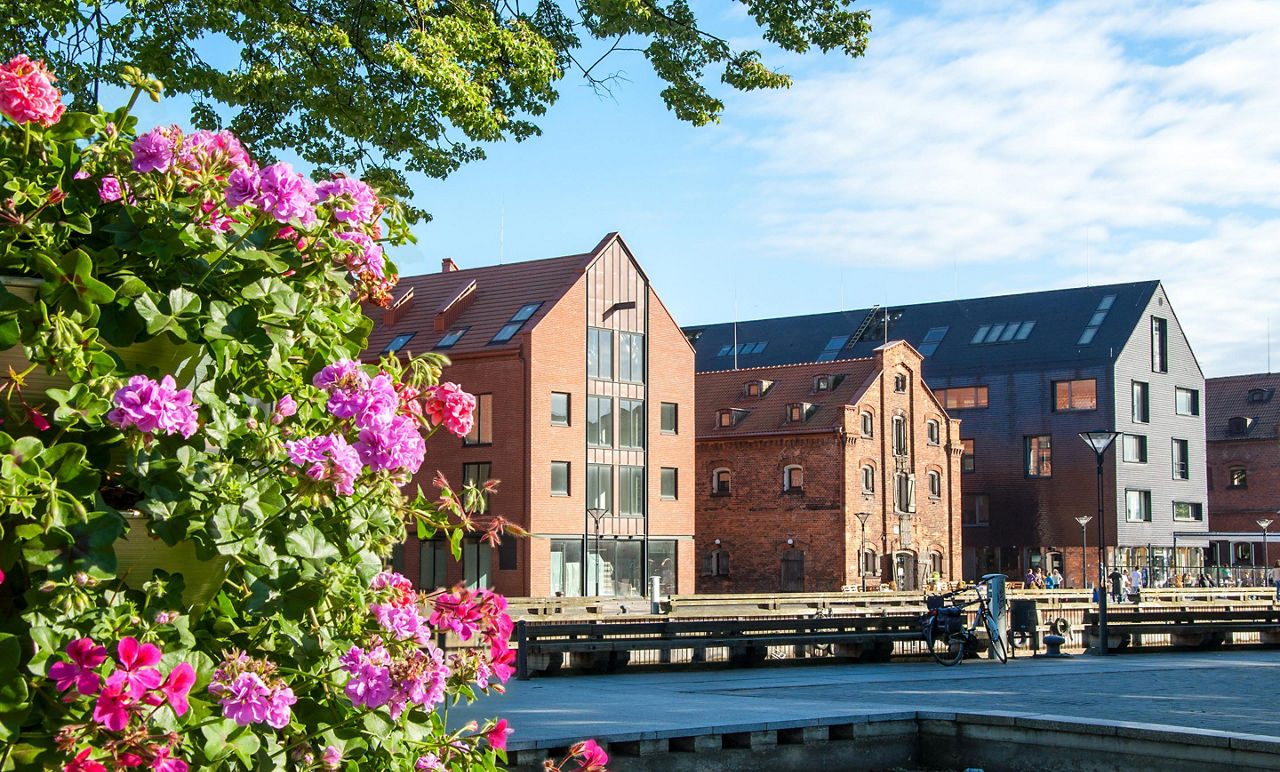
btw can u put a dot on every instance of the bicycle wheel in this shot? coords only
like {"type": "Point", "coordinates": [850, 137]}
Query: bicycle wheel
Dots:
{"type": "Point", "coordinates": [998, 650]}
{"type": "Point", "coordinates": [947, 649]}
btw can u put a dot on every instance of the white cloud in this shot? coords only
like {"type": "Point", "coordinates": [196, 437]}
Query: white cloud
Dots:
{"type": "Point", "coordinates": [1001, 133]}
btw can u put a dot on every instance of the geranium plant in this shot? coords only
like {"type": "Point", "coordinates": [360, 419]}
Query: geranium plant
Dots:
{"type": "Point", "coordinates": [205, 314]}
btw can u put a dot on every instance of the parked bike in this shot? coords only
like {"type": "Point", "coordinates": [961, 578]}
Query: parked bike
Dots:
{"type": "Point", "coordinates": [944, 630]}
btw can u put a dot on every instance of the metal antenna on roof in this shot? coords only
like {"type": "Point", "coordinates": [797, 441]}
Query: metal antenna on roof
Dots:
{"type": "Point", "coordinates": [886, 324]}
{"type": "Point", "coordinates": [1268, 345]}
{"type": "Point", "coordinates": [502, 228]}
{"type": "Point", "coordinates": [1087, 281]}
{"type": "Point", "coordinates": [735, 325]}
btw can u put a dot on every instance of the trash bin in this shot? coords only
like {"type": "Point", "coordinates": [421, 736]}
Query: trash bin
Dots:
{"type": "Point", "coordinates": [1024, 623]}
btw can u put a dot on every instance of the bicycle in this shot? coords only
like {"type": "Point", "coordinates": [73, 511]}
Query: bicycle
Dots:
{"type": "Point", "coordinates": [943, 626]}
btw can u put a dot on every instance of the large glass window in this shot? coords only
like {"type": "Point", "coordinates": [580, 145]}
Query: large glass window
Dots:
{"type": "Point", "coordinates": [1039, 456]}
{"type": "Point", "coordinates": [559, 478]}
{"type": "Point", "coordinates": [670, 479]}
{"type": "Point", "coordinates": [477, 475]}
{"type": "Point", "coordinates": [631, 423]}
{"type": "Point", "coordinates": [600, 353]}
{"type": "Point", "coordinates": [1079, 394]}
{"type": "Point", "coordinates": [1141, 402]}
{"type": "Point", "coordinates": [432, 560]}
{"type": "Point", "coordinates": [482, 422]}
{"type": "Point", "coordinates": [600, 487]}
{"type": "Point", "coordinates": [670, 418]}
{"type": "Point", "coordinates": [662, 563]}
{"type": "Point", "coordinates": [600, 421]}
{"type": "Point", "coordinates": [1137, 506]}
{"type": "Point", "coordinates": [631, 357]}
{"type": "Point", "coordinates": [616, 570]}
{"type": "Point", "coordinates": [1181, 460]}
{"type": "Point", "coordinates": [1135, 448]}
{"type": "Point", "coordinates": [631, 491]}
{"type": "Point", "coordinates": [559, 408]}
{"type": "Point", "coordinates": [1187, 401]}
{"type": "Point", "coordinates": [1159, 345]}
{"type": "Point", "coordinates": [477, 560]}
{"type": "Point", "coordinates": [566, 567]}
{"type": "Point", "coordinates": [962, 397]}
{"type": "Point", "coordinates": [1188, 510]}
{"type": "Point", "coordinates": [976, 509]}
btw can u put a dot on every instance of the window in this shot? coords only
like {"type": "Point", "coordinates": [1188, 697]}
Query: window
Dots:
{"type": "Point", "coordinates": [1261, 395]}
{"type": "Point", "coordinates": [934, 430]}
{"type": "Point", "coordinates": [826, 382]}
{"type": "Point", "coordinates": [631, 357]}
{"type": "Point", "coordinates": [716, 563]}
{"type": "Point", "coordinates": [1039, 456]}
{"type": "Point", "coordinates": [631, 491]}
{"type": "Point", "coordinates": [935, 485]}
{"type": "Point", "coordinates": [600, 421]}
{"type": "Point", "coordinates": [730, 417]}
{"type": "Point", "coordinates": [962, 397]}
{"type": "Point", "coordinates": [1159, 345]}
{"type": "Point", "coordinates": [1239, 477]}
{"type": "Point", "coordinates": [793, 478]}
{"type": "Point", "coordinates": [670, 424]}
{"type": "Point", "coordinates": [1187, 401]}
{"type": "Point", "coordinates": [508, 554]}
{"type": "Point", "coordinates": [432, 559]}
{"type": "Point", "coordinates": [559, 408]}
{"type": "Point", "coordinates": [517, 321]}
{"type": "Point", "coordinates": [720, 482]}
{"type": "Point", "coordinates": [566, 567]}
{"type": "Point", "coordinates": [798, 412]}
{"type": "Point", "coordinates": [1238, 425]}
{"type": "Point", "coordinates": [631, 424]}
{"type": "Point", "coordinates": [669, 477]}
{"type": "Point", "coordinates": [976, 509]}
{"type": "Point", "coordinates": [1002, 332]}
{"type": "Point", "coordinates": [756, 388]}
{"type": "Point", "coordinates": [899, 436]}
{"type": "Point", "coordinates": [904, 492]}
{"type": "Point", "coordinates": [476, 475]}
{"type": "Point", "coordinates": [1134, 448]}
{"type": "Point", "coordinates": [1137, 506]}
{"type": "Point", "coordinates": [452, 337]}
{"type": "Point", "coordinates": [1095, 321]}
{"type": "Point", "coordinates": [967, 456]}
{"type": "Point", "coordinates": [1075, 395]}
{"type": "Point", "coordinates": [599, 353]}
{"type": "Point", "coordinates": [600, 487]}
{"type": "Point", "coordinates": [900, 383]}
{"type": "Point", "coordinates": [1188, 510]}
{"type": "Point", "coordinates": [868, 479]}
{"type": "Point", "coordinates": [868, 424]}
{"type": "Point", "coordinates": [398, 342]}
{"type": "Point", "coordinates": [477, 559]}
{"type": "Point", "coordinates": [931, 340]}
{"type": "Point", "coordinates": [481, 422]}
{"type": "Point", "coordinates": [1181, 461]}
{"type": "Point", "coordinates": [832, 348]}
{"type": "Point", "coordinates": [1141, 402]}
{"type": "Point", "coordinates": [661, 557]}
{"type": "Point", "coordinates": [559, 478]}
{"type": "Point", "coordinates": [870, 564]}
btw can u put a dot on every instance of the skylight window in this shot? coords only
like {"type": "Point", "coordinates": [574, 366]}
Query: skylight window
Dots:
{"type": "Point", "coordinates": [1003, 332]}
{"type": "Point", "coordinates": [453, 337]}
{"type": "Point", "coordinates": [517, 321]}
{"type": "Point", "coordinates": [833, 348]}
{"type": "Point", "coordinates": [398, 342]}
{"type": "Point", "coordinates": [1025, 330]}
{"type": "Point", "coordinates": [1095, 321]}
{"type": "Point", "coordinates": [931, 340]}
{"type": "Point", "coordinates": [724, 350]}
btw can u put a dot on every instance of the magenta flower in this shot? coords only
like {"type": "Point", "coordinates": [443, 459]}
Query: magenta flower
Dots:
{"type": "Point", "coordinates": [109, 190]}
{"type": "Point", "coordinates": [285, 407]}
{"type": "Point", "coordinates": [331, 757]}
{"type": "Point", "coordinates": [242, 187]}
{"type": "Point", "coordinates": [152, 406]}
{"type": "Point", "coordinates": [448, 404]}
{"type": "Point", "coordinates": [366, 257]}
{"type": "Point", "coordinates": [27, 94]}
{"type": "Point", "coordinates": [212, 151]}
{"type": "Point", "coordinates": [246, 700]}
{"type": "Point", "coordinates": [593, 756]}
{"type": "Point", "coordinates": [343, 374]}
{"type": "Point", "coordinates": [327, 457]}
{"type": "Point", "coordinates": [352, 200]}
{"type": "Point", "coordinates": [497, 736]}
{"type": "Point", "coordinates": [164, 762]}
{"type": "Point", "coordinates": [285, 194]}
{"type": "Point", "coordinates": [82, 763]}
{"type": "Point", "coordinates": [85, 655]}
{"type": "Point", "coordinates": [395, 446]}
{"type": "Point", "coordinates": [176, 687]}
{"type": "Point", "coordinates": [112, 708]}
{"type": "Point", "coordinates": [153, 151]}
{"type": "Point", "coordinates": [137, 664]}
{"type": "Point", "coordinates": [430, 762]}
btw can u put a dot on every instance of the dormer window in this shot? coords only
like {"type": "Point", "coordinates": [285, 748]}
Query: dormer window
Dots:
{"type": "Point", "coordinates": [1261, 395]}
{"type": "Point", "coordinates": [1238, 425]}
{"type": "Point", "coordinates": [756, 388]}
{"type": "Point", "coordinates": [900, 383]}
{"type": "Point", "coordinates": [826, 382]}
{"type": "Point", "coordinates": [730, 417]}
{"type": "Point", "coordinates": [798, 412]}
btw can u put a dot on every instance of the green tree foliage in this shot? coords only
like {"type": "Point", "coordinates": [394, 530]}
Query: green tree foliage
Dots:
{"type": "Point", "coordinates": [388, 86]}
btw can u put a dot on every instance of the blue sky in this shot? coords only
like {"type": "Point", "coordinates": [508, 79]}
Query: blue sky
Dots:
{"type": "Point", "coordinates": [979, 148]}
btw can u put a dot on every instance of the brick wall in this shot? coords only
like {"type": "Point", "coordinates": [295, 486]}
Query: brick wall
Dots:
{"type": "Point", "coordinates": [1238, 509]}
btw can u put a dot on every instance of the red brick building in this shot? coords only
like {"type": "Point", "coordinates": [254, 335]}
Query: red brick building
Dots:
{"type": "Point", "coordinates": [789, 456]}
{"type": "Point", "coordinates": [582, 380]}
{"type": "Point", "coordinates": [1242, 417]}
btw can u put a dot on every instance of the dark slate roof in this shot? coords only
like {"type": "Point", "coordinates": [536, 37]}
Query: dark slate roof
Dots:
{"type": "Point", "coordinates": [1060, 317]}
{"type": "Point", "coordinates": [766, 414]}
{"type": "Point", "coordinates": [1255, 398]}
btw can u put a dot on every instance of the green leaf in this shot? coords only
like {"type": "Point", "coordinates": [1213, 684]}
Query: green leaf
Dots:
{"type": "Point", "coordinates": [309, 542]}
{"type": "Point", "coordinates": [13, 688]}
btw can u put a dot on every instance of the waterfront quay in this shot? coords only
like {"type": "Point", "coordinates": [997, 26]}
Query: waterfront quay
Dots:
{"type": "Point", "coordinates": [1216, 704]}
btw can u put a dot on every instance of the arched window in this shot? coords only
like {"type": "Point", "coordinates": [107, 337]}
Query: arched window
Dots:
{"type": "Point", "coordinates": [716, 562]}
{"type": "Point", "coordinates": [935, 485]}
{"type": "Point", "coordinates": [899, 435]}
{"type": "Point", "coordinates": [935, 564]}
{"type": "Point", "coordinates": [900, 383]}
{"type": "Point", "coordinates": [868, 479]}
{"type": "Point", "coordinates": [793, 478]}
{"type": "Point", "coordinates": [868, 424]}
{"type": "Point", "coordinates": [1239, 477]}
{"type": "Point", "coordinates": [904, 498]}
{"type": "Point", "coordinates": [720, 482]}
{"type": "Point", "coordinates": [934, 431]}
{"type": "Point", "coordinates": [870, 563]}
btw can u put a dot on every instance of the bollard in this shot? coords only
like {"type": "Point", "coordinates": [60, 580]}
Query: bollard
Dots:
{"type": "Point", "coordinates": [655, 594]}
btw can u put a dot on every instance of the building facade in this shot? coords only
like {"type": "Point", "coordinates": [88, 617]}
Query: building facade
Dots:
{"type": "Point", "coordinates": [1026, 374]}
{"type": "Point", "coordinates": [816, 477]}
{"type": "Point", "coordinates": [1243, 418]}
{"type": "Point", "coordinates": [581, 378]}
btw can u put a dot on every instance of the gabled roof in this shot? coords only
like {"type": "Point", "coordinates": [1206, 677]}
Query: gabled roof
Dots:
{"type": "Point", "coordinates": [1060, 317]}
{"type": "Point", "coordinates": [1227, 398]}
{"type": "Point", "coordinates": [500, 291]}
{"type": "Point", "coordinates": [716, 391]}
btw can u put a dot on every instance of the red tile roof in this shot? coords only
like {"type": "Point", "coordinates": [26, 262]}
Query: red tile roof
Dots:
{"type": "Point", "coordinates": [500, 291]}
{"type": "Point", "coordinates": [716, 391]}
{"type": "Point", "coordinates": [1226, 398]}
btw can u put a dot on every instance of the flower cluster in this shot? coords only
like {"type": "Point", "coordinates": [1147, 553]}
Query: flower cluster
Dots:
{"type": "Point", "coordinates": [123, 705]}
{"type": "Point", "coordinates": [27, 94]}
{"type": "Point", "coordinates": [450, 406]}
{"type": "Point", "coordinates": [327, 457]}
{"type": "Point", "coordinates": [249, 692]}
{"type": "Point", "coordinates": [153, 407]}
{"type": "Point", "coordinates": [467, 612]}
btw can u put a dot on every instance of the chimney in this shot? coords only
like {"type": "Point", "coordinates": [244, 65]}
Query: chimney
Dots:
{"type": "Point", "coordinates": [392, 315]}
{"type": "Point", "coordinates": [448, 266]}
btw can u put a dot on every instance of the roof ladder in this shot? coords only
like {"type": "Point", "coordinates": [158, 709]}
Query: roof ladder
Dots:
{"type": "Point", "coordinates": [862, 328]}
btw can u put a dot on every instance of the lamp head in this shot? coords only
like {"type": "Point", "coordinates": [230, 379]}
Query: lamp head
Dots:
{"type": "Point", "coordinates": [1083, 520]}
{"type": "Point", "coordinates": [1099, 440]}
{"type": "Point", "coordinates": [1264, 523]}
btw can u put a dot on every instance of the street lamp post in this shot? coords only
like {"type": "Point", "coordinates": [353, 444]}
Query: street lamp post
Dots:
{"type": "Point", "coordinates": [1083, 520]}
{"type": "Point", "coordinates": [597, 514]}
{"type": "Point", "coordinates": [862, 550]}
{"type": "Point", "coordinates": [1264, 524]}
{"type": "Point", "coordinates": [1099, 441]}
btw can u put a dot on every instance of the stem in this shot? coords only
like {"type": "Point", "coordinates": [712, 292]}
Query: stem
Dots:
{"type": "Point", "coordinates": [26, 141]}
{"type": "Point", "coordinates": [318, 732]}
{"type": "Point", "coordinates": [256, 224]}
{"type": "Point", "coordinates": [132, 98]}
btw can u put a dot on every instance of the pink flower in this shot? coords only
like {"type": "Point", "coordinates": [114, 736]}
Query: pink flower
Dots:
{"type": "Point", "coordinates": [352, 200]}
{"type": "Point", "coordinates": [331, 757]}
{"type": "Point", "coordinates": [80, 175]}
{"type": "Point", "coordinates": [163, 762]}
{"type": "Point", "coordinates": [284, 408]}
{"type": "Point", "coordinates": [327, 457]}
{"type": "Point", "coordinates": [343, 374]}
{"type": "Point", "coordinates": [82, 763]}
{"type": "Point", "coordinates": [212, 151]}
{"type": "Point", "coordinates": [176, 687]}
{"type": "Point", "coordinates": [394, 446]}
{"type": "Point", "coordinates": [109, 190]}
{"type": "Point", "coordinates": [85, 655]}
{"type": "Point", "coordinates": [593, 756]}
{"type": "Point", "coordinates": [37, 420]}
{"type": "Point", "coordinates": [285, 194]}
{"type": "Point", "coordinates": [242, 187]}
{"type": "Point", "coordinates": [246, 699]}
{"type": "Point", "coordinates": [112, 708]}
{"type": "Point", "coordinates": [152, 406]}
{"type": "Point", "coordinates": [153, 151]}
{"type": "Point", "coordinates": [367, 256]}
{"type": "Point", "coordinates": [430, 762]}
{"type": "Point", "coordinates": [498, 735]}
{"type": "Point", "coordinates": [137, 663]}
{"type": "Point", "coordinates": [27, 94]}
{"type": "Point", "coordinates": [448, 404]}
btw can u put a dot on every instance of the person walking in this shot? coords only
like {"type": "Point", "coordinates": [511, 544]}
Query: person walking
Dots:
{"type": "Point", "coordinates": [1274, 576]}
{"type": "Point", "coordinates": [1117, 582]}
{"type": "Point", "coordinates": [1135, 585]}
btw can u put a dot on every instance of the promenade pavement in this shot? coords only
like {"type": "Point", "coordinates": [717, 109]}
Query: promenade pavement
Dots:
{"type": "Point", "coordinates": [1231, 691]}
